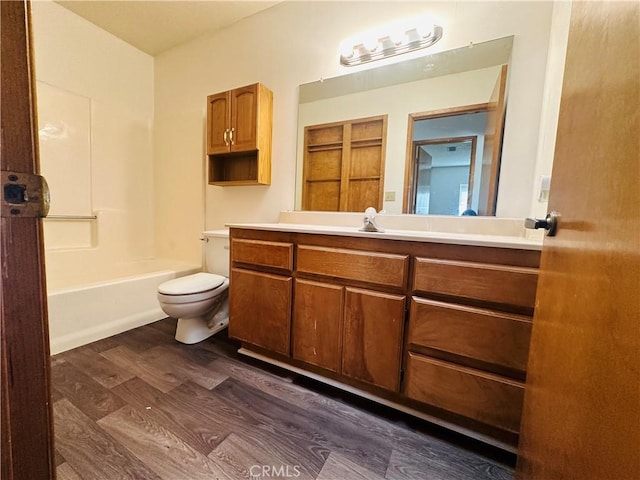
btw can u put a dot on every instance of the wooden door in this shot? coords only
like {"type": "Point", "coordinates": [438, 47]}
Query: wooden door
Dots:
{"type": "Point", "coordinates": [260, 309]}
{"type": "Point", "coordinates": [363, 170]}
{"type": "Point", "coordinates": [244, 119]}
{"type": "Point", "coordinates": [372, 338]}
{"type": "Point", "coordinates": [322, 167]}
{"type": "Point", "coordinates": [581, 415]}
{"type": "Point", "coordinates": [493, 146]}
{"type": "Point", "coordinates": [26, 436]}
{"type": "Point", "coordinates": [344, 164]}
{"type": "Point", "coordinates": [317, 324]}
{"type": "Point", "coordinates": [218, 123]}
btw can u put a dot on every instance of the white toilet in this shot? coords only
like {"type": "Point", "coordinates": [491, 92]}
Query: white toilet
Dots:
{"type": "Point", "coordinates": [200, 301]}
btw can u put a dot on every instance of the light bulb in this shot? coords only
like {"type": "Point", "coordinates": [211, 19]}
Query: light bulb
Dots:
{"type": "Point", "coordinates": [370, 43]}
{"type": "Point", "coordinates": [346, 49]}
{"type": "Point", "coordinates": [424, 30]}
{"type": "Point", "coordinates": [397, 36]}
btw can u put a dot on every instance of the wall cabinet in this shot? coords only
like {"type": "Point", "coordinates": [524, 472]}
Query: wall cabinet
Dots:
{"type": "Point", "coordinates": [239, 131]}
{"type": "Point", "coordinates": [441, 329]}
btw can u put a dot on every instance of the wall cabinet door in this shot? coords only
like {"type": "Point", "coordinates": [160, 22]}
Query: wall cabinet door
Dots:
{"type": "Point", "coordinates": [372, 338]}
{"type": "Point", "coordinates": [218, 121]}
{"type": "Point", "coordinates": [244, 119]}
{"type": "Point", "coordinates": [260, 309]}
{"type": "Point", "coordinates": [317, 324]}
{"type": "Point", "coordinates": [232, 119]}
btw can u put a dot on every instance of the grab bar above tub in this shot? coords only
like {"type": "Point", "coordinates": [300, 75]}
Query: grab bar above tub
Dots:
{"type": "Point", "coordinates": [71, 217]}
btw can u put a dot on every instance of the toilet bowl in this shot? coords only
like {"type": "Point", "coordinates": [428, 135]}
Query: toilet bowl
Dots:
{"type": "Point", "coordinates": [200, 301]}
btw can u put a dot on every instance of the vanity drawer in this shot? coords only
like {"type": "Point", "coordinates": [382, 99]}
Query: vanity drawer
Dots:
{"type": "Point", "coordinates": [370, 267]}
{"type": "Point", "coordinates": [493, 337]}
{"type": "Point", "coordinates": [262, 253]}
{"type": "Point", "coordinates": [501, 284]}
{"type": "Point", "coordinates": [484, 397]}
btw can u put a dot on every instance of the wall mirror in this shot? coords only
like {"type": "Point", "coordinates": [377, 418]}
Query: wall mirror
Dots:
{"type": "Point", "coordinates": [446, 84]}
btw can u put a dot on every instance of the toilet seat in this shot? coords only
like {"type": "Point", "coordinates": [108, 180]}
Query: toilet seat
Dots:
{"type": "Point", "coordinates": [196, 283]}
{"type": "Point", "coordinates": [192, 288]}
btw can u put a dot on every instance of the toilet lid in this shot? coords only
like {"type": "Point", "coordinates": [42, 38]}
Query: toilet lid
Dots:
{"type": "Point", "coordinates": [196, 283]}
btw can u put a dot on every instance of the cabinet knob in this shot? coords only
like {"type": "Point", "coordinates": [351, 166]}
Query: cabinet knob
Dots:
{"type": "Point", "coordinates": [225, 136]}
{"type": "Point", "coordinates": [231, 135]}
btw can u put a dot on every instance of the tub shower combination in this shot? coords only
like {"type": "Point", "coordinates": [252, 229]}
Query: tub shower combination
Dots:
{"type": "Point", "coordinates": [85, 306]}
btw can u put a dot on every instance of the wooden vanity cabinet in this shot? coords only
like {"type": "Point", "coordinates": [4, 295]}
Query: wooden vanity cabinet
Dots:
{"type": "Point", "coordinates": [239, 131]}
{"type": "Point", "coordinates": [468, 337]}
{"type": "Point", "coordinates": [355, 332]}
{"type": "Point", "coordinates": [261, 306]}
{"type": "Point", "coordinates": [261, 298]}
{"type": "Point", "coordinates": [441, 330]}
{"type": "Point", "coordinates": [317, 324]}
{"type": "Point", "coordinates": [372, 339]}
{"type": "Point", "coordinates": [350, 331]}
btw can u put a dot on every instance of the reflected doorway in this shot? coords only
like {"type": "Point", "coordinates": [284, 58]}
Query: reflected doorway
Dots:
{"type": "Point", "coordinates": [483, 122]}
{"type": "Point", "coordinates": [444, 176]}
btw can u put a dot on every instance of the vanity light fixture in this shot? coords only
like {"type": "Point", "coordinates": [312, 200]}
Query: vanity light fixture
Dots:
{"type": "Point", "coordinates": [378, 47]}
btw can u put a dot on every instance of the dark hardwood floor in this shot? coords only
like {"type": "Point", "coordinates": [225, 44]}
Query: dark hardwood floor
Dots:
{"type": "Point", "coordinates": [141, 405]}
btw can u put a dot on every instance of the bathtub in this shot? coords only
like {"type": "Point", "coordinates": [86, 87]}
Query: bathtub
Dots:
{"type": "Point", "coordinates": [91, 305]}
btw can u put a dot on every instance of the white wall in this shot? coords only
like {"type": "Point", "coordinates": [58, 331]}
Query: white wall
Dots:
{"type": "Point", "coordinates": [551, 102]}
{"type": "Point", "coordinates": [295, 43]}
{"type": "Point", "coordinates": [113, 83]}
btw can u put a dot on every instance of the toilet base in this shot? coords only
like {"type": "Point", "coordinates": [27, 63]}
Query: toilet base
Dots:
{"type": "Point", "coordinates": [194, 330]}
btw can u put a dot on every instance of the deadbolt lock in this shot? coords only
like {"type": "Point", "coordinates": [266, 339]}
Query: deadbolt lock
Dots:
{"type": "Point", "coordinates": [24, 195]}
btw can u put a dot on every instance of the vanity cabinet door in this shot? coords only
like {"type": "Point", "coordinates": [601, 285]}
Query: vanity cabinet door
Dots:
{"type": "Point", "coordinates": [317, 324]}
{"type": "Point", "coordinates": [372, 337]}
{"type": "Point", "coordinates": [260, 309]}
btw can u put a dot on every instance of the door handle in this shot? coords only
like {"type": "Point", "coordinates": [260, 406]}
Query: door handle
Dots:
{"type": "Point", "coordinates": [225, 136]}
{"type": "Point", "coordinates": [549, 223]}
{"type": "Point", "coordinates": [231, 135]}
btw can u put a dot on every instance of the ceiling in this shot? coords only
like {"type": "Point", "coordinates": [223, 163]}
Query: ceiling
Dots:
{"type": "Point", "coordinates": [156, 26]}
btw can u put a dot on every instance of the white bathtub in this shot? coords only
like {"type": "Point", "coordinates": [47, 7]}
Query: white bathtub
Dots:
{"type": "Point", "coordinates": [85, 306]}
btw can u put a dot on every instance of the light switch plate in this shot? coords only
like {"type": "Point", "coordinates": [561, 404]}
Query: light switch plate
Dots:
{"type": "Point", "coordinates": [389, 196]}
{"type": "Point", "coordinates": [543, 189]}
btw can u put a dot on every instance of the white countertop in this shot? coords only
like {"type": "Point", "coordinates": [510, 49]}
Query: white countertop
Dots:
{"type": "Point", "coordinates": [456, 238]}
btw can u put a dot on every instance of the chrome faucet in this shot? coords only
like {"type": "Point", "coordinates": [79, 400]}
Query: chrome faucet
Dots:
{"type": "Point", "coordinates": [370, 221]}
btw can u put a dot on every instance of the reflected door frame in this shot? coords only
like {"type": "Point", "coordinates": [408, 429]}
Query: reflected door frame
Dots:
{"type": "Point", "coordinates": [410, 164]}
{"type": "Point", "coordinates": [495, 109]}
{"type": "Point", "coordinates": [417, 144]}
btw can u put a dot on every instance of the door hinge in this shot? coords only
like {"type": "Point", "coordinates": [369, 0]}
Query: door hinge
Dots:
{"type": "Point", "coordinates": [24, 195]}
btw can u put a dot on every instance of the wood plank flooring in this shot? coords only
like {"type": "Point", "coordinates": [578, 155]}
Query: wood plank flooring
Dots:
{"type": "Point", "coordinates": [140, 405]}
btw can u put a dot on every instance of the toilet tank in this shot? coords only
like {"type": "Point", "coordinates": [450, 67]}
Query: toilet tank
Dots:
{"type": "Point", "coordinates": [216, 252]}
